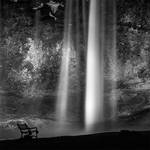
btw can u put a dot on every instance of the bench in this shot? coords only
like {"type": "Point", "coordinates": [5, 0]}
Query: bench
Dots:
{"type": "Point", "coordinates": [27, 132]}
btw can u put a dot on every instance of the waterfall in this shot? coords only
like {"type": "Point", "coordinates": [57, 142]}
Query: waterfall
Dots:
{"type": "Point", "coordinates": [94, 72]}
{"type": "Point", "coordinates": [62, 98]}
{"type": "Point", "coordinates": [101, 42]}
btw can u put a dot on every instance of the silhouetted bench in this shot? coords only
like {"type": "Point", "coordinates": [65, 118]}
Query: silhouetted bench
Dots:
{"type": "Point", "coordinates": [26, 131]}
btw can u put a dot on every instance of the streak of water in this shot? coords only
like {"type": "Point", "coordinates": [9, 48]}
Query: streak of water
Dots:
{"type": "Point", "coordinates": [110, 44]}
{"type": "Point", "coordinates": [94, 73]}
{"type": "Point", "coordinates": [62, 99]}
{"type": "Point", "coordinates": [101, 42]}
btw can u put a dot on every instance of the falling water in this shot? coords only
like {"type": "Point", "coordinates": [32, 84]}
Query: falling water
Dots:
{"type": "Point", "coordinates": [62, 99]}
{"type": "Point", "coordinates": [98, 28]}
{"type": "Point", "coordinates": [101, 40]}
{"type": "Point", "coordinates": [84, 17]}
{"type": "Point", "coordinates": [94, 74]}
{"type": "Point", "coordinates": [111, 50]}
{"type": "Point", "coordinates": [1, 61]}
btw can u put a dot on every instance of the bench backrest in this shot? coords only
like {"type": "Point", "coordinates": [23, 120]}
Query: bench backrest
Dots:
{"type": "Point", "coordinates": [22, 126]}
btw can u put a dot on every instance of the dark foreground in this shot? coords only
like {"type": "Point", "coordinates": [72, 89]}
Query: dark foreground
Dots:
{"type": "Point", "coordinates": [116, 140]}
